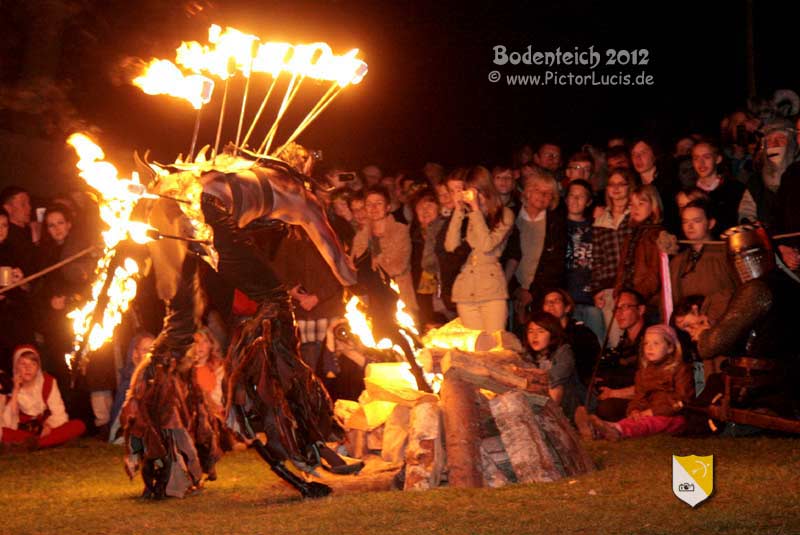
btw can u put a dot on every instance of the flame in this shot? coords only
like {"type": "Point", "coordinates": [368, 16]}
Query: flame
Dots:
{"type": "Point", "coordinates": [362, 327]}
{"type": "Point", "coordinates": [232, 50]}
{"type": "Point", "coordinates": [118, 198]}
{"type": "Point", "coordinates": [162, 77]}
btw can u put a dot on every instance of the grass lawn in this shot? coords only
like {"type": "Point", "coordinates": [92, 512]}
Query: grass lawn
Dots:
{"type": "Point", "coordinates": [82, 488]}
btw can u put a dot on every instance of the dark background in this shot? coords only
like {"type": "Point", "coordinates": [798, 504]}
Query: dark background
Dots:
{"type": "Point", "coordinates": [426, 97]}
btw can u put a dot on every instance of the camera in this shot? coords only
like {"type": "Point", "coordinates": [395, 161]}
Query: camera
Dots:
{"type": "Point", "coordinates": [468, 195]}
{"type": "Point", "coordinates": [347, 177]}
{"type": "Point", "coordinates": [686, 487]}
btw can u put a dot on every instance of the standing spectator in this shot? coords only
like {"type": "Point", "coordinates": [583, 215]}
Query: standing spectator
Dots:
{"type": "Point", "coordinates": [779, 150]}
{"type": "Point", "coordinates": [548, 156]}
{"type": "Point", "coordinates": [450, 262]}
{"type": "Point", "coordinates": [537, 246]}
{"type": "Point", "coordinates": [640, 258]}
{"type": "Point", "coordinates": [578, 272]}
{"type": "Point", "coordinates": [724, 193]}
{"type": "Point", "coordinates": [506, 186]}
{"type": "Point", "coordinates": [56, 290]}
{"type": "Point", "coordinates": [610, 230]}
{"type": "Point", "coordinates": [480, 290]}
{"type": "Point", "coordinates": [21, 236]}
{"type": "Point", "coordinates": [14, 304]}
{"type": "Point", "coordinates": [317, 295]}
{"type": "Point", "coordinates": [388, 243]}
{"type": "Point", "coordinates": [652, 172]}
{"type": "Point", "coordinates": [35, 414]}
{"type": "Point", "coordinates": [372, 175]}
{"type": "Point", "coordinates": [424, 263]}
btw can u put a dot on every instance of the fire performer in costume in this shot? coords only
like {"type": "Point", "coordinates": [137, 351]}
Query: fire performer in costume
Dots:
{"type": "Point", "coordinates": [269, 388]}
{"type": "Point", "coordinates": [209, 203]}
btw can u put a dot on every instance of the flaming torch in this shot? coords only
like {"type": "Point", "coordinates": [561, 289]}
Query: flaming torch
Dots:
{"type": "Point", "coordinates": [115, 285]}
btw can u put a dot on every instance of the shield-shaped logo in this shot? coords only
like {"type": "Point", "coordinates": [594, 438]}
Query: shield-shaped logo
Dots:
{"type": "Point", "coordinates": [693, 477]}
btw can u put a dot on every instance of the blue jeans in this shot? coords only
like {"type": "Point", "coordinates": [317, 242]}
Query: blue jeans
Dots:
{"type": "Point", "coordinates": [592, 317]}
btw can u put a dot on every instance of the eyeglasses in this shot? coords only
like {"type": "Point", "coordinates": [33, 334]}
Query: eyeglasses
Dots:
{"type": "Point", "coordinates": [580, 167]}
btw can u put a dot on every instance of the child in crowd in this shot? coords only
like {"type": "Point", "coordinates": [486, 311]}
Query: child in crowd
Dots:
{"type": "Point", "coordinates": [34, 414]}
{"type": "Point", "coordinates": [663, 386]}
{"type": "Point", "coordinates": [640, 259]}
{"type": "Point", "coordinates": [549, 351]}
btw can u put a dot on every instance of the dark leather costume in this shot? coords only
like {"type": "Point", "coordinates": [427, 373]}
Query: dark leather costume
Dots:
{"type": "Point", "coordinates": [269, 388]}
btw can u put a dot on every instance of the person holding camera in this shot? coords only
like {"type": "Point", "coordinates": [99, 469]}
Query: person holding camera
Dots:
{"type": "Point", "coordinates": [34, 414]}
{"type": "Point", "coordinates": [480, 291]}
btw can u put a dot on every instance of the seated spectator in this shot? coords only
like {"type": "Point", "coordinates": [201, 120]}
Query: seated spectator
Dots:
{"type": "Point", "coordinates": [578, 271]}
{"type": "Point", "coordinates": [640, 256]}
{"type": "Point", "coordinates": [480, 290]}
{"type": "Point", "coordinates": [702, 269]}
{"type": "Point", "coordinates": [549, 350]}
{"type": "Point", "coordinates": [581, 339]}
{"type": "Point", "coordinates": [617, 366]}
{"type": "Point", "coordinates": [34, 414]}
{"type": "Point", "coordinates": [137, 350]}
{"type": "Point", "coordinates": [663, 386]}
{"type": "Point", "coordinates": [209, 368]}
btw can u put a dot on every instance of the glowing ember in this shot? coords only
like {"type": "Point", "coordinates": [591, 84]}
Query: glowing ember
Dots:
{"type": "Point", "coordinates": [162, 77]}
{"type": "Point", "coordinates": [118, 198]}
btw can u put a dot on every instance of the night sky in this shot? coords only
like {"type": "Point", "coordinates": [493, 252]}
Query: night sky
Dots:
{"type": "Point", "coordinates": [427, 96]}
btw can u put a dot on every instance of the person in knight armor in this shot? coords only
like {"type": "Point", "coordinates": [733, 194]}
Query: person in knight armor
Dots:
{"type": "Point", "coordinates": [755, 331]}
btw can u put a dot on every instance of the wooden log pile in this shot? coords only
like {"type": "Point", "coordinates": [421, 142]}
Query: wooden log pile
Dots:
{"type": "Point", "coordinates": [492, 424]}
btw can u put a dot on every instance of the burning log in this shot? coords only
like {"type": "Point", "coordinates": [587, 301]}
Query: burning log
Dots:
{"type": "Point", "coordinates": [498, 371]}
{"type": "Point", "coordinates": [425, 454]}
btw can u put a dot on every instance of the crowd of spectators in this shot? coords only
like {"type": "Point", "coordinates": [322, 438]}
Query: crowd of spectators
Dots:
{"type": "Point", "coordinates": [565, 249]}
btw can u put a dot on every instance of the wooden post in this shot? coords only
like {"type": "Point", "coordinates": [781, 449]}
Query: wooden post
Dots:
{"type": "Point", "coordinates": [425, 454]}
{"type": "Point", "coordinates": [462, 431]}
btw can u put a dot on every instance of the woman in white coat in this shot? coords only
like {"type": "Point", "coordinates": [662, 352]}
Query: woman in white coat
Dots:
{"type": "Point", "coordinates": [480, 291]}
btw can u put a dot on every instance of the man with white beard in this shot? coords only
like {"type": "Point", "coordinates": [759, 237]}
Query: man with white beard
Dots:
{"type": "Point", "coordinates": [779, 150]}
